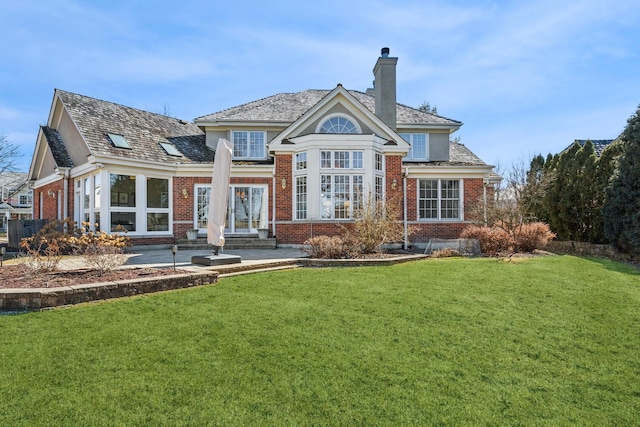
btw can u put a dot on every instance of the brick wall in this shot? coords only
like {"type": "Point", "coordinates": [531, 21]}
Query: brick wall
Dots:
{"type": "Point", "coordinates": [284, 171]}
{"type": "Point", "coordinates": [50, 204]}
{"type": "Point", "coordinates": [183, 207]}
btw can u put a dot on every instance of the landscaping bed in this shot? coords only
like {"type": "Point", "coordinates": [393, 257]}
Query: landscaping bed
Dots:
{"type": "Point", "coordinates": [18, 276]}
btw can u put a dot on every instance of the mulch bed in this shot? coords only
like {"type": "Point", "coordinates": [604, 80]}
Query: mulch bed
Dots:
{"type": "Point", "coordinates": [18, 276]}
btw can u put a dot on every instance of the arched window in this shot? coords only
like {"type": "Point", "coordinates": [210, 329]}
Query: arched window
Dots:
{"type": "Point", "coordinates": [338, 124]}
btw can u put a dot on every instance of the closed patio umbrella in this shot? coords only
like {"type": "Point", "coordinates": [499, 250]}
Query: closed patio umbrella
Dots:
{"type": "Point", "coordinates": [219, 194]}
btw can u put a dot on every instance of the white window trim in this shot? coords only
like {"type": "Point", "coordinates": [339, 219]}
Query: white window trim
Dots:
{"type": "Point", "coordinates": [249, 157]}
{"type": "Point", "coordinates": [440, 219]}
{"type": "Point", "coordinates": [410, 156]}
{"type": "Point", "coordinates": [264, 187]}
{"type": "Point", "coordinates": [140, 209]}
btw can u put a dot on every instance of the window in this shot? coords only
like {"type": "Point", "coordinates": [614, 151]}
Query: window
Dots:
{"type": "Point", "coordinates": [378, 162]}
{"type": "Point", "coordinates": [157, 204]}
{"type": "Point", "coordinates": [249, 145]}
{"type": "Point", "coordinates": [325, 159]}
{"type": "Point", "coordinates": [379, 188]}
{"type": "Point", "coordinates": [357, 162]}
{"type": "Point", "coordinates": [301, 161]}
{"type": "Point", "coordinates": [203, 194]}
{"type": "Point", "coordinates": [122, 189]}
{"type": "Point", "coordinates": [419, 146]}
{"type": "Point", "coordinates": [246, 209]}
{"type": "Point", "coordinates": [88, 190]}
{"type": "Point", "coordinates": [26, 199]}
{"type": "Point", "coordinates": [301, 197]}
{"type": "Point", "coordinates": [439, 199]}
{"type": "Point", "coordinates": [170, 149]}
{"type": "Point", "coordinates": [87, 194]}
{"type": "Point", "coordinates": [338, 124]}
{"type": "Point", "coordinates": [341, 160]}
{"type": "Point", "coordinates": [119, 141]}
{"type": "Point", "coordinates": [340, 195]}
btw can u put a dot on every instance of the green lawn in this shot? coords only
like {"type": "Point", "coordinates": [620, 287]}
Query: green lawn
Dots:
{"type": "Point", "coordinates": [547, 341]}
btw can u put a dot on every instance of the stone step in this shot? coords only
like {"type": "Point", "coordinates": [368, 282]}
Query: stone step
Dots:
{"type": "Point", "coordinates": [230, 243]}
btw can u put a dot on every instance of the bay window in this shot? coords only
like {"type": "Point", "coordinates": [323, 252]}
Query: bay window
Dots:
{"type": "Point", "coordinates": [340, 195]}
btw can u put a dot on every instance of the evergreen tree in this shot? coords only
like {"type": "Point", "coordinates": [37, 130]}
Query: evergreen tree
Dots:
{"type": "Point", "coordinates": [605, 168]}
{"type": "Point", "coordinates": [533, 193]}
{"type": "Point", "coordinates": [621, 212]}
{"type": "Point", "coordinates": [586, 211]}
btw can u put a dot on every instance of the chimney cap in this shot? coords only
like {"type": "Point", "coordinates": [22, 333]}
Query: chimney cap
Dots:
{"type": "Point", "coordinates": [384, 52]}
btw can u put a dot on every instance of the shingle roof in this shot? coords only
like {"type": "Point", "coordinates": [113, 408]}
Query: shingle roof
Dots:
{"type": "Point", "coordinates": [288, 107]}
{"type": "Point", "coordinates": [143, 130]}
{"type": "Point", "coordinates": [459, 155]}
{"type": "Point", "coordinates": [598, 144]}
{"type": "Point", "coordinates": [58, 150]}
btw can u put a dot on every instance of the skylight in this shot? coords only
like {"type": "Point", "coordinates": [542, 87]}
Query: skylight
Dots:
{"type": "Point", "coordinates": [118, 141]}
{"type": "Point", "coordinates": [170, 149]}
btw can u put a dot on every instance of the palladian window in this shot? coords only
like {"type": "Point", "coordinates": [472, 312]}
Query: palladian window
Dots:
{"type": "Point", "coordinates": [338, 124]}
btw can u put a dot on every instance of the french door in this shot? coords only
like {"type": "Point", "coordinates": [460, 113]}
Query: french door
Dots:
{"type": "Point", "coordinates": [246, 209]}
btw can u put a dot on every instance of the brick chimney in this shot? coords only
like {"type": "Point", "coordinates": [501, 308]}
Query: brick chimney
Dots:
{"type": "Point", "coordinates": [384, 88]}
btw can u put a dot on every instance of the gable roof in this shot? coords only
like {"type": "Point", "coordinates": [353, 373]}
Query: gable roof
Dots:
{"type": "Point", "coordinates": [56, 145]}
{"type": "Point", "coordinates": [288, 107]}
{"type": "Point", "coordinates": [143, 130]}
{"type": "Point", "coordinates": [340, 95]}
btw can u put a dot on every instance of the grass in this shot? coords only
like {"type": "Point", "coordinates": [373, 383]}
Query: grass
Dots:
{"type": "Point", "coordinates": [548, 341]}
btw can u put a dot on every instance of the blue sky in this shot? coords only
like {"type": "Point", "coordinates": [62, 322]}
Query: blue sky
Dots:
{"type": "Point", "coordinates": [524, 77]}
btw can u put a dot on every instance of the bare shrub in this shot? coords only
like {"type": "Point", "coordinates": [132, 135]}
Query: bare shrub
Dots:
{"type": "Point", "coordinates": [42, 256]}
{"type": "Point", "coordinates": [492, 239]}
{"type": "Point", "coordinates": [325, 247]}
{"type": "Point", "coordinates": [376, 223]}
{"type": "Point", "coordinates": [531, 236]}
{"type": "Point", "coordinates": [100, 250]}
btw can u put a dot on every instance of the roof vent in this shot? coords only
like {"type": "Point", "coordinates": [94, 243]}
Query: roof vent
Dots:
{"type": "Point", "coordinates": [384, 52]}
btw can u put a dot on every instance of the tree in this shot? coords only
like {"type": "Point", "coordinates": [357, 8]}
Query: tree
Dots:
{"type": "Point", "coordinates": [605, 169]}
{"type": "Point", "coordinates": [533, 191]}
{"type": "Point", "coordinates": [9, 155]}
{"type": "Point", "coordinates": [621, 211]}
{"type": "Point", "coordinates": [426, 107]}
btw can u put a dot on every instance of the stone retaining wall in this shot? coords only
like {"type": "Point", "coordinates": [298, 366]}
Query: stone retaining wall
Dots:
{"type": "Point", "coordinates": [39, 298]}
{"type": "Point", "coordinates": [319, 262]}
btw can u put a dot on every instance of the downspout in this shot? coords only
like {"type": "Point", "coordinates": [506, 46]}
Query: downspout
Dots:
{"type": "Point", "coordinates": [65, 196]}
{"type": "Point", "coordinates": [485, 182]}
{"type": "Point", "coordinates": [273, 204]}
{"type": "Point", "coordinates": [404, 213]}
{"type": "Point", "coordinates": [484, 196]}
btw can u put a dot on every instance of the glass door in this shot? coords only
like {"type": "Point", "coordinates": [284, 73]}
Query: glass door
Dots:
{"type": "Point", "coordinates": [240, 209]}
{"type": "Point", "coordinates": [246, 210]}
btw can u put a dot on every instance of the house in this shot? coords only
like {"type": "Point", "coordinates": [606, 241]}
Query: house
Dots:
{"type": "Point", "coordinates": [15, 198]}
{"type": "Point", "coordinates": [302, 164]}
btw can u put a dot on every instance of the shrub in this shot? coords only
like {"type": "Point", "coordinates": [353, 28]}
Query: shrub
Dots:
{"type": "Point", "coordinates": [531, 236]}
{"type": "Point", "coordinates": [376, 223]}
{"type": "Point", "coordinates": [326, 247]}
{"type": "Point", "coordinates": [492, 239]}
{"type": "Point", "coordinates": [100, 250]}
{"type": "Point", "coordinates": [525, 238]}
{"type": "Point", "coordinates": [53, 231]}
{"type": "Point", "coordinates": [42, 255]}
